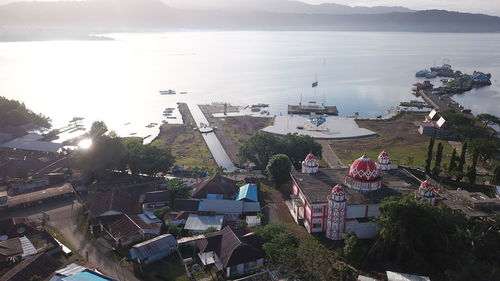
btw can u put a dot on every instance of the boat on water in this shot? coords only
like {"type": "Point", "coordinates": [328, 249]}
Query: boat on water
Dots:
{"type": "Point", "coordinates": [431, 74]}
{"type": "Point", "coordinates": [426, 74]}
{"type": "Point", "coordinates": [171, 117]}
{"type": "Point", "coordinates": [183, 93]}
{"type": "Point", "coordinates": [168, 92]}
{"type": "Point", "coordinates": [170, 108]}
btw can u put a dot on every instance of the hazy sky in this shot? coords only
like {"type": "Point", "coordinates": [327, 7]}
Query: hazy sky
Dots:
{"type": "Point", "coordinates": [491, 7]}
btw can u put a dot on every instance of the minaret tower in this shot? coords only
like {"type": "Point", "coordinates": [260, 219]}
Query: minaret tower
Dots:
{"type": "Point", "coordinates": [337, 206]}
{"type": "Point", "coordinates": [383, 161]}
{"type": "Point", "coordinates": [310, 165]}
{"type": "Point", "coordinates": [428, 192]}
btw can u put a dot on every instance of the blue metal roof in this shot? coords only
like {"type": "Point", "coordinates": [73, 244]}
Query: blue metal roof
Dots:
{"type": "Point", "coordinates": [249, 192]}
{"type": "Point", "coordinates": [86, 276]}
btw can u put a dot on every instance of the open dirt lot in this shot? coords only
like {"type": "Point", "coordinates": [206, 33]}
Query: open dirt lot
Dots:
{"type": "Point", "coordinates": [399, 137]}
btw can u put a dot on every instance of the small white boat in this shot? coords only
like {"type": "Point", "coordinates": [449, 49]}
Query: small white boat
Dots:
{"type": "Point", "coordinates": [169, 92]}
{"type": "Point", "coordinates": [171, 117]}
{"type": "Point", "coordinates": [183, 93]}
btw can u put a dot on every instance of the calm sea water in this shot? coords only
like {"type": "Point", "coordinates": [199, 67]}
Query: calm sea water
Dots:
{"type": "Point", "coordinates": [118, 81]}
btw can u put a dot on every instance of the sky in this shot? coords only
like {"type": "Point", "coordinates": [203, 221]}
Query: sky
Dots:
{"type": "Point", "coordinates": [490, 7]}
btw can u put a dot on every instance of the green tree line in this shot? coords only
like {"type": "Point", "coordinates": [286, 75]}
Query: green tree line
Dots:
{"type": "Point", "coordinates": [15, 113]}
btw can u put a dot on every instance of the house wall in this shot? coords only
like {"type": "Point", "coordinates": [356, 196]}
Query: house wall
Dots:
{"type": "Point", "coordinates": [243, 268]}
{"type": "Point", "coordinates": [362, 211]}
{"type": "Point", "coordinates": [364, 230]}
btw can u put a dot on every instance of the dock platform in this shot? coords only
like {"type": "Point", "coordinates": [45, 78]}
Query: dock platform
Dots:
{"type": "Point", "coordinates": [308, 109]}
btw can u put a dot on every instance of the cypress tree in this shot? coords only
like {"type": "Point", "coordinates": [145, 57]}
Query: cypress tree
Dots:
{"type": "Point", "coordinates": [429, 156]}
{"type": "Point", "coordinates": [453, 161]}
{"type": "Point", "coordinates": [439, 157]}
{"type": "Point", "coordinates": [471, 172]}
{"type": "Point", "coordinates": [461, 162]}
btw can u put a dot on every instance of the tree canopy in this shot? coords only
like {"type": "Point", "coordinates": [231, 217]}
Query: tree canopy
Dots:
{"type": "Point", "coordinates": [110, 152]}
{"type": "Point", "coordinates": [428, 240]}
{"type": "Point", "coordinates": [489, 119]}
{"type": "Point", "coordinates": [262, 146]}
{"type": "Point", "coordinates": [14, 113]}
{"type": "Point", "coordinates": [279, 169]}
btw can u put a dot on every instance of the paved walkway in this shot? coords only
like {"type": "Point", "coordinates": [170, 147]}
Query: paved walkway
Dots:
{"type": "Point", "coordinates": [329, 155]}
{"type": "Point", "coordinates": [213, 143]}
{"type": "Point", "coordinates": [334, 128]}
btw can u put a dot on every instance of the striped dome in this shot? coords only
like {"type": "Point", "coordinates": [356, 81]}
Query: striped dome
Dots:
{"type": "Point", "coordinates": [364, 168]}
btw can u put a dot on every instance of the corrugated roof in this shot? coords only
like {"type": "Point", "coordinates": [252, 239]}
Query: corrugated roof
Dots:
{"type": "Point", "coordinates": [71, 269]}
{"type": "Point", "coordinates": [41, 264]}
{"type": "Point", "coordinates": [33, 145]}
{"type": "Point", "coordinates": [201, 223]}
{"type": "Point", "coordinates": [247, 192]}
{"type": "Point", "coordinates": [251, 207]}
{"type": "Point", "coordinates": [396, 276]}
{"type": "Point", "coordinates": [233, 247]}
{"type": "Point", "coordinates": [128, 225]}
{"type": "Point", "coordinates": [28, 248]}
{"type": "Point", "coordinates": [86, 276]}
{"type": "Point", "coordinates": [221, 206]}
{"type": "Point", "coordinates": [153, 246]}
{"type": "Point", "coordinates": [216, 184]}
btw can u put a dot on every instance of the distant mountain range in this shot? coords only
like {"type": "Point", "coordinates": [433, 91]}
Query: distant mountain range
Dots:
{"type": "Point", "coordinates": [280, 6]}
{"type": "Point", "coordinates": [133, 15]}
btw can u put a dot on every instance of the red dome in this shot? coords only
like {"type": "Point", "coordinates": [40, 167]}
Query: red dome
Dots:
{"type": "Point", "coordinates": [338, 190]}
{"type": "Point", "coordinates": [427, 185]}
{"type": "Point", "coordinates": [364, 168]}
{"type": "Point", "coordinates": [383, 154]}
{"type": "Point", "coordinates": [310, 157]}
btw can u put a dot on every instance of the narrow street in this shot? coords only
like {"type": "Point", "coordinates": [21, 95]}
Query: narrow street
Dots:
{"type": "Point", "coordinates": [63, 219]}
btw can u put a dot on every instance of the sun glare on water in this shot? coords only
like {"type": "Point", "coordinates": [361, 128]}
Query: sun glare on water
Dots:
{"type": "Point", "coordinates": [85, 144]}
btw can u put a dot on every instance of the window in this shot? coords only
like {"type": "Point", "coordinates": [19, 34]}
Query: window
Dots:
{"type": "Point", "coordinates": [318, 210]}
{"type": "Point", "coordinates": [316, 224]}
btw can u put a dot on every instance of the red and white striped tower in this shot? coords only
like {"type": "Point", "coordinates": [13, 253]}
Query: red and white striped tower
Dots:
{"type": "Point", "coordinates": [383, 161]}
{"type": "Point", "coordinates": [335, 222]}
{"type": "Point", "coordinates": [428, 192]}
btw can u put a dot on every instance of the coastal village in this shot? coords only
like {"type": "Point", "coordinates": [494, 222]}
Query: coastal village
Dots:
{"type": "Point", "coordinates": [238, 193]}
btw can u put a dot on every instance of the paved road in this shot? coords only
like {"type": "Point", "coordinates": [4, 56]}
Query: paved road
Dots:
{"type": "Point", "coordinates": [329, 155]}
{"type": "Point", "coordinates": [62, 217]}
{"type": "Point", "coordinates": [211, 140]}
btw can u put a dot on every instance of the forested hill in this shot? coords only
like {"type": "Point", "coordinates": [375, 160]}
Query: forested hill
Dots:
{"type": "Point", "coordinates": [154, 15]}
{"type": "Point", "coordinates": [14, 113]}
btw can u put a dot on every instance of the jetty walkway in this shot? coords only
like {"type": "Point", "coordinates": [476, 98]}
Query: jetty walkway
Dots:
{"type": "Point", "coordinates": [213, 143]}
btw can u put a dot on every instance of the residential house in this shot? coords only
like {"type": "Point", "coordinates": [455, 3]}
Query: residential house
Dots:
{"type": "Point", "coordinates": [78, 272]}
{"type": "Point", "coordinates": [40, 264]}
{"type": "Point", "coordinates": [16, 249]}
{"type": "Point", "coordinates": [154, 249]}
{"type": "Point", "coordinates": [108, 206]}
{"type": "Point", "coordinates": [231, 209]}
{"type": "Point", "coordinates": [155, 199]}
{"type": "Point", "coordinates": [199, 224]}
{"type": "Point", "coordinates": [231, 251]}
{"type": "Point", "coordinates": [129, 229]}
{"type": "Point", "coordinates": [216, 187]}
{"type": "Point", "coordinates": [247, 193]}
